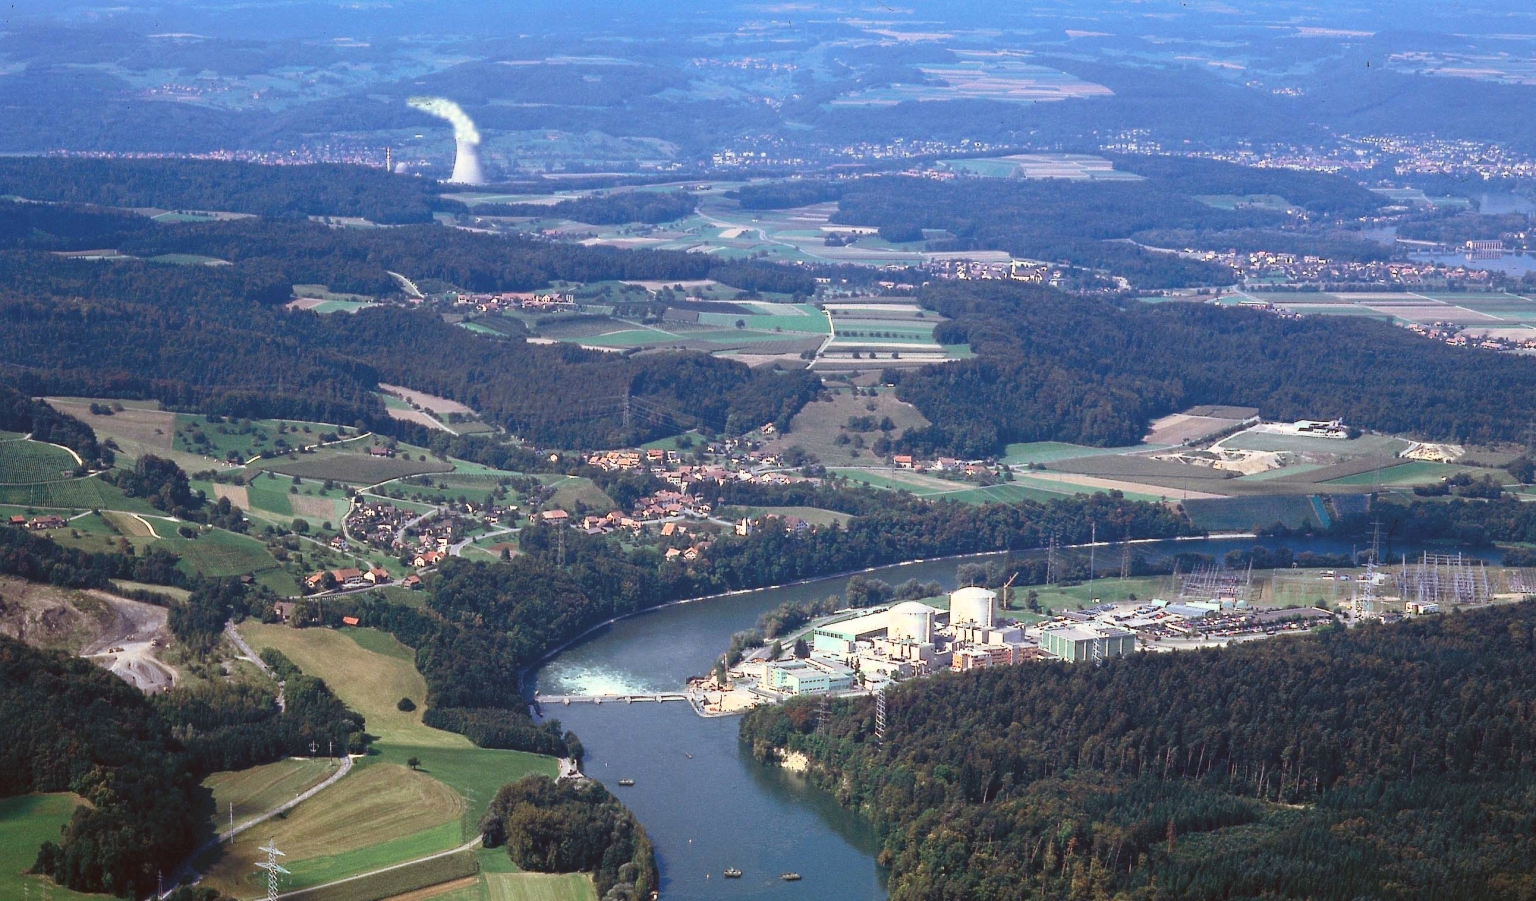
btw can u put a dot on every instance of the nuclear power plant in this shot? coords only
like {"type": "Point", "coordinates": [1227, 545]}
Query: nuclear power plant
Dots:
{"type": "Point", "coordinates": [466, 159]}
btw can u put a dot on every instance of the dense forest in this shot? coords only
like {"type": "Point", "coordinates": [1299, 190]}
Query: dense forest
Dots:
{"type": "Point", "coordinates": [572, 827]}
{"type": "Point", "coordinates": [1049, 367]}
{"type": "Point", "coordinates": [1332, 766]}
{"type": "Point", "coordinates": [225, 186]}
{"type": "Point", "coordinates": [72, 726]}
{"type": "Point", "coordinates": [232, 726]}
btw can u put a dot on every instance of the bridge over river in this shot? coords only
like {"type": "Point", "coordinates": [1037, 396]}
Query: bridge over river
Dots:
{"type": "Point", "coordinates": [547, 700]}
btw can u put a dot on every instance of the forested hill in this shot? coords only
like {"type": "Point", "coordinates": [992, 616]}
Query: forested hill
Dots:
{"type": "Point", "coordinates": [72, 726]}
{"type": "Point", "coordinates": [225, 186]}
{"type": "Point", "coordinates": [215, 339]}
{"type": "Point", "coordinates": [1050, 367]}
{"type": "Point", "coordinates": [1388, 762]}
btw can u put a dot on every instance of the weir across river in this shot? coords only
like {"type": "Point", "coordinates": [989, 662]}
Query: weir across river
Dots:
{"type": "Point", "coordinates": [607, 699]}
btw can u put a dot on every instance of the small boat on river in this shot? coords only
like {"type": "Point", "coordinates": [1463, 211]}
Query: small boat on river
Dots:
{"type": "Point", "coordinates": [790, 877]}
{"type": "Point", "coordinates": [626, 782]}
{"type": "Point", "coordinates": [732, 873]}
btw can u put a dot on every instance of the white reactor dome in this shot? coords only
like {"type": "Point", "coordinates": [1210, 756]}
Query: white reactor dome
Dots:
{"type": "Point", "coordinates": [910, 621]}
{"type": "Point", "coordinates": [972, 605]}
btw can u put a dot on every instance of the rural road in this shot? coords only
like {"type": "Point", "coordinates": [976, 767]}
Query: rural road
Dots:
{"type": "Point", "coordinates": [409, 863]}
{"type": "Point", "coordinates": [185, 872]}
{"type": "Point", "coordinates": [245, 649]}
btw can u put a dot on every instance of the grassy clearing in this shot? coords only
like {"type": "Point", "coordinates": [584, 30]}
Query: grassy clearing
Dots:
{"type": "Point", "coordinates": [1059, 598]}
{"type": "Point", "coordinates": [241, 439]}
{"type": "Point", "coordinates": [261, 788]}
{"type": "Point", "coordinates": [569, 490]}
{"type": "Point", "coordinates": [24, 462]}
{"type": "Point", "coordinates": [369, 682]}
{"type": "Point", "coordinates": [818, 426]}
{"type": "Point", "coordinates": [25, 823]}
{"type": "Point", "coordinates": [180, 594]}
{"type": "Point", "coordinates": [813, 515]}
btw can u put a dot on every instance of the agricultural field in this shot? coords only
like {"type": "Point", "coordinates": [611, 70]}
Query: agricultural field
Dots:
{"type": "Point", "coordinates": [384, 812]}
{"type": "Point", "coordinates": [1052, 452]}
{"type": "Point", "coordinates": [219, 553]}
{"type": "Point", "coordinates": [1491, 314]}
{"type": "Point", "coordinates": [74, 494]}
{"type": "Point", "coordinates": [378, 815]}
{"type": "Point", "coordinates": [139, 428]}
{"type": "Point", "coordinates": [898, 334]}
{"type": "Point", "coordinates": [352, 463]}
{"type": "Point", "coordinates": [26, 821]}
{"type": "Point", "coordinates": [492, 886]}
{"type": "Point", "coordinates": [1065, 166]}
{"type": "Point", "coordinates": [24, 462]}
{"type": "Point", "coordinates": [261, 788]}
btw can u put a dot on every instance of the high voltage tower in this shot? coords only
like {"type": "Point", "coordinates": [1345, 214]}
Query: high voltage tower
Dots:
{"type": "Point", "coordinates": [824, 716]}
{"type": "Point", "coordinates": [880, 714]}
{"type": "Point", "coordinates": [1050, 561]}
{"type": "Point", "coordinates": [272, 867]}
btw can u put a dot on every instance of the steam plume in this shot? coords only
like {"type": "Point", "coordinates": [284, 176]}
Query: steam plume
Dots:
{"type": "Point", "coordinates": [466, 162]}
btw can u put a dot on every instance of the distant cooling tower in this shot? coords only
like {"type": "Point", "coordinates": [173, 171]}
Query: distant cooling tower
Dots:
{"type": "Point", "coordinates": [466, 161]}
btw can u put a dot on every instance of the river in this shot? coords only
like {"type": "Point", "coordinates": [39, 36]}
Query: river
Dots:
{"type": "Point", "coordinates": [718, 808]}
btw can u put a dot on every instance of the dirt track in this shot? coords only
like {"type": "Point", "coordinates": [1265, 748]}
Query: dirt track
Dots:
{"type": "Point", "coordinates": [127, 645]}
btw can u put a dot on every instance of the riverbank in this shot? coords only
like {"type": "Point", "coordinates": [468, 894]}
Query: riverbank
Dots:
{"type": "Point", "coordinates": [847, 574]}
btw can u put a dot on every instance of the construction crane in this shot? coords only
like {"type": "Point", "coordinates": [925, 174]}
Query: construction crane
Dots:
{"type": "Point", "coordinates": [1007, 592]}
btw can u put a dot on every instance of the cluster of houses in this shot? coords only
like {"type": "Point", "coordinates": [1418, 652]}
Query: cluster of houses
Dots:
{"type": "Point", "coordinates": [632, 460]}
{"type": "Point", "coordinates": [379, 523]}
{"type": "Point", "coordinates": [517, 300]}
{"type": "Point", "coordinates": [942, 464]}
{"type": "Point", "coordinates": [346, 578]}
{"type": "Point", "coordinates": [38, 523]}
{"type": "Point", "coordinates": [986, 270]}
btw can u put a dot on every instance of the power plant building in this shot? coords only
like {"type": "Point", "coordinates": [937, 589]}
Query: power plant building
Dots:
{"type": "Point", "coordinates": [909, 621]}
{"type": "Point", "coordinates": [803, 677]}
{"type": "Point", "coordinates": [1076, 643]}
{"type": "Point", "coordinates": [972, 607]}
